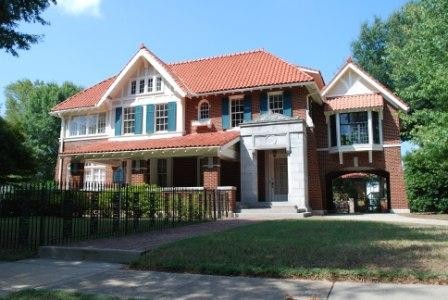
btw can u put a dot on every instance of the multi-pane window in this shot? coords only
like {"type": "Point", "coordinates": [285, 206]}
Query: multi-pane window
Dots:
{"type": "Point", "coordinates": [139, 166]}
{"type": "Point", "coordinates": [133, 87]}
{"type": "Point", "coordinates": [129, 120]}
{"type": "Point", "coordinates": [275, 102]}
{"type": "Point", "coordinates": [161, 117]}
{"type": "Point", "coordinates": [88, 125]}
{"type": "Point", "coordinates": [204, 111]}
{"type": "Point", "coordinates": [376, 127]}
{"type": "Point", "coordinates": [150, 84]}
{"type": "Point", "coordinates": [141, 86]}
{"type": "Point", "coordinates": [333, 133]}
{"type": "Point", "coordinates": [354, 128]}
{"type": "Point", "coordinates": [236, 112]}
{"type": "Point", "coordinates": [162, 172]}
{"type": "Point", "coordinates": [158, 84]}
{"type": "Point", "coordinates": [94, 173]}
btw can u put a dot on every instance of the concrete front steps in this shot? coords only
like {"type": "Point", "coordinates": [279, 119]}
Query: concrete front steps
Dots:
{"type": "Point", "coordinates": [270, 211]}
{"type": "Point", "coordinates": [88, 253]}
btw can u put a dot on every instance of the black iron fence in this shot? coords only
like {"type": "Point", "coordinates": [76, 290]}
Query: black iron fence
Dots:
{"type": "Point", "coordinates": [33, 215]}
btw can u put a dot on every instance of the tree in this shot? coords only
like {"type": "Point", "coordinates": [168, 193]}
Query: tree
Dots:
{"type": "Point", "coordinates": [15, 159]}
{"type": "Point", "coordinates": [427, 167]}
{"type": "Point", "coordinates": [14, 11]}
{"type": "Point", "coordinates": [411, 49]}
{"type": "Point", "coordinates": [27, 110]}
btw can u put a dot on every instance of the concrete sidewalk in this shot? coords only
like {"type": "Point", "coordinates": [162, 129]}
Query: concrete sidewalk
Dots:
{"type": "Point", "coordinates": [113, 279]}
{"type": "Point", "coordinates": [394, 218]}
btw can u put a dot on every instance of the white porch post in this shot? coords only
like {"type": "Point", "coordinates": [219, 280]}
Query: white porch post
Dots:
{"type": "Point", "coordinates": [297, 172]}
{"type": "Point", "coordinates": [249, 171]}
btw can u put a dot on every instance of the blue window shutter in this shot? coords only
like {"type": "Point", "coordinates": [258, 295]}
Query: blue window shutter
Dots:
{"type": "Point", "coordinates": [171, 116]}
{"type": "Point", "coordinates": [287, 110]}
{"type": "Point", "coordinates": [225, 113]}
{"type": "Point", "coordinates": [118, 118]}
{"type": "Point", "coordinates": [247, 108]}
{"type": "Point", "coordinates": [138, 119]}
{"type": "Point", "coordinates": [150, 118]}
{"type": "Point", "coordinates": [263, 103]}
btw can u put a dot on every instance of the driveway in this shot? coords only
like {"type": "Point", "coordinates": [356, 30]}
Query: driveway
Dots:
{"type": "Point", "coordinates": [114, 279]}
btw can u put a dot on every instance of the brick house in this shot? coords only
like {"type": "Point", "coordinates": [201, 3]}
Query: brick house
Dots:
{"type": "Point", "coordinates": [250, 120]}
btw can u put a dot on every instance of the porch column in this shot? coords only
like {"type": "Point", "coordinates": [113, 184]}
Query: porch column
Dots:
{"type": "Point", "coordinates": [249, 171]}
{"type": "Point", "coordinates": [212, 176]}
{"type": "Point", "coordinates": [298, 172]}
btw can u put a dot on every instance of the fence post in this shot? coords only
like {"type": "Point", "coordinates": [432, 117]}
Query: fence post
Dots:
{"type": "Point", "coordinates": [116, 211]}
{"type": "Point", "coordinates": [67, 213]}
{"type": "Point", "coordinates": [24, 222]}
{"type": "Point", "coordinates": [94, 213]}
{"type": "Point", "coordinates": [136, 210]}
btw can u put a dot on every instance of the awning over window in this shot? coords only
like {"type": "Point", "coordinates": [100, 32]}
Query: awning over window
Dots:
{"type": "Point", "coordinates": [354, 102]}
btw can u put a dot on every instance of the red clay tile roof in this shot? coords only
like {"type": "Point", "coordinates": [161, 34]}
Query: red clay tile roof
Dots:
{"type": "Point", "coordinates": [86, 98]}
{"type": "Point", "coordinates": [237, 71]}
{"type": "Point", "coordinates": [187, 141]}
{"type": "Point", "coordinates": [354, 102]}
{"type": "Point", "coordinates": [228, 72]}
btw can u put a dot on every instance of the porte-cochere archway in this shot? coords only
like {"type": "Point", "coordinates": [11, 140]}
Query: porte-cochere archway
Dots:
{"type": "Point", "coordinates": [360, 191]}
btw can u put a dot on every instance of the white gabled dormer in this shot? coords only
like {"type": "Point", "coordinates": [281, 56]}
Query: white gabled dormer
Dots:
{"type": "Point", "coordinates": [143, 102]}
{"type": "Point", "coordinates": [354, 111]}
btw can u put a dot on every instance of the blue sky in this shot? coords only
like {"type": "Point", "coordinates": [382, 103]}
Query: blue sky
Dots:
{"type": "Point", "coordinates": [89, 40]}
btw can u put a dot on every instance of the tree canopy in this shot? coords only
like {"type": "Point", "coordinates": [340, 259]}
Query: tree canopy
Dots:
{"type": "Point", "coordinates": [15, 158]}
{"type": "Point", "coordinates": [14, 11]}
{"type": "Point", "coordinates": [27, 110]}
{"type": "Point", "coordinates": [408, 52]}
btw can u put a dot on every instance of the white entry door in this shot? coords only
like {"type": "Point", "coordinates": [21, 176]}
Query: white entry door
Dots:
{"type": "Point", "coordinates": [277, 179]}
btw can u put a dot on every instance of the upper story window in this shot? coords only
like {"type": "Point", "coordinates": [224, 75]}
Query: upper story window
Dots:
{"type": "Point", "coordinates": [236, 111]}
{"type": "Point", "coordinates": [354, 128]}
{"type": "Point", "coordinates": [275, 103]}
{"type": "Point", "coordinates": [128, 120]}
{"type": "Point", "coordinates": [133, 87]}
{"type": "Point", "coordinates": [150, 84]}
{"type": "Point", "coordinates": [146, 84]}
{"type": "Point", "coordinates": [204, 110]}
{"type": "Point", "coordinates": [161, 118]}
{"type": "Point", "coordinates": [158, 84]}
{"type": "Point", "coordinates": [88, 125]}
{"type": "Point", "coordinates": [141, 86]}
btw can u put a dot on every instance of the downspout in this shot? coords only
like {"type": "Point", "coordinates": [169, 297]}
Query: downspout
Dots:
{"type": "Point", "coordinates": [61, 149]}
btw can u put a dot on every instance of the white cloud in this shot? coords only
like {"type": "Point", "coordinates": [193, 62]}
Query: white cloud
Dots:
{"type": "Point", "coordinates": [81, 7]}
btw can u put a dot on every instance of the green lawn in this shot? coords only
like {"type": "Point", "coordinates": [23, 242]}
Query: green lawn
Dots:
{"type": "Point", "coordinates": [53, 295]}
{"type": "Point", "coordinates": [316, 249]}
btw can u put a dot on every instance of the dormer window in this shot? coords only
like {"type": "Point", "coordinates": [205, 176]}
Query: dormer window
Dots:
{"type": "Point", "coordinates": [133, 87]}
{"type": "Point", "coordinates": [158, 84]}
{"type": "Point", "coordinates": [204, 111]}
{"type": "Point", "coordinates": [150, 84]}
{"type": "Point", "coordinates": [141, 86]}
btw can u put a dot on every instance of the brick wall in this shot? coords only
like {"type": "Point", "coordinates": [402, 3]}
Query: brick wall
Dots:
{"type": "Point", "coordinates": [211, 177]}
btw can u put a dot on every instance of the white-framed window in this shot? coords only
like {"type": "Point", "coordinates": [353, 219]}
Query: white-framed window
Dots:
{"type": "Point", "coordinates": [236, 111]}
{"type": "Point", "coordinates": [162, 172]}
{"type": "Point", "coordinates": [94, 173]}
{"type": "Point", "coordinates": [150, 84]}
{"type": "Point", "coordinates": [203, 110]}
{"type": "Point", "coordinates": [141, 86]}
{"type": "Point", "coordinates": [129, 120]}
{"type": "Point", "coordinates": [133, 87]}
{"type": "Point", "coordinates": [146, 84]}
{"type": "Point", "coordinates": [158, 84]}
{"type": "Point", "coordinates": [161, 117]}
{"type": "Point", "coordinates": [87, 125]}
{"type": "Point", "coordinates": [275, 103]}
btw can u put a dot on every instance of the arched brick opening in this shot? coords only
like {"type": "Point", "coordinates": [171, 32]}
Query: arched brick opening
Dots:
{"type": "Point", "coordinates": [329, 177]}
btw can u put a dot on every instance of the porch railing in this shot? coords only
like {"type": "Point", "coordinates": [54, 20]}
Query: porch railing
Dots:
{"type": "Point", "coordinates": [33, 215]}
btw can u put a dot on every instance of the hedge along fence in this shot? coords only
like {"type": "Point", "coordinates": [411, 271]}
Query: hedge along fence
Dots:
{"type": "Point", "coordinates": [32, 215]}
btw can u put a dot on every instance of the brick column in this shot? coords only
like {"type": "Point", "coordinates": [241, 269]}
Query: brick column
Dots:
{"type": "Point", "coordinates": [212, 176]}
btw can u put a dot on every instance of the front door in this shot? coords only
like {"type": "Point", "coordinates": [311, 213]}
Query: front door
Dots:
{"type": "Point", "coordinates": [277, 179]}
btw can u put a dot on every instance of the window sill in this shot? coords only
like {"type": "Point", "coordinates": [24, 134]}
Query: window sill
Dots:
{"type": "Point", "coordinates": [200, 123]}
{"type": "Point", "coordinates": [356, 148]}
{"type": "Point", "coordinates": [86, 137]}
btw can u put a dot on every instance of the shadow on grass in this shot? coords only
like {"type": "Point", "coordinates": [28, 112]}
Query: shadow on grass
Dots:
{"type": "Point", "coordinates": [312, 249]}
